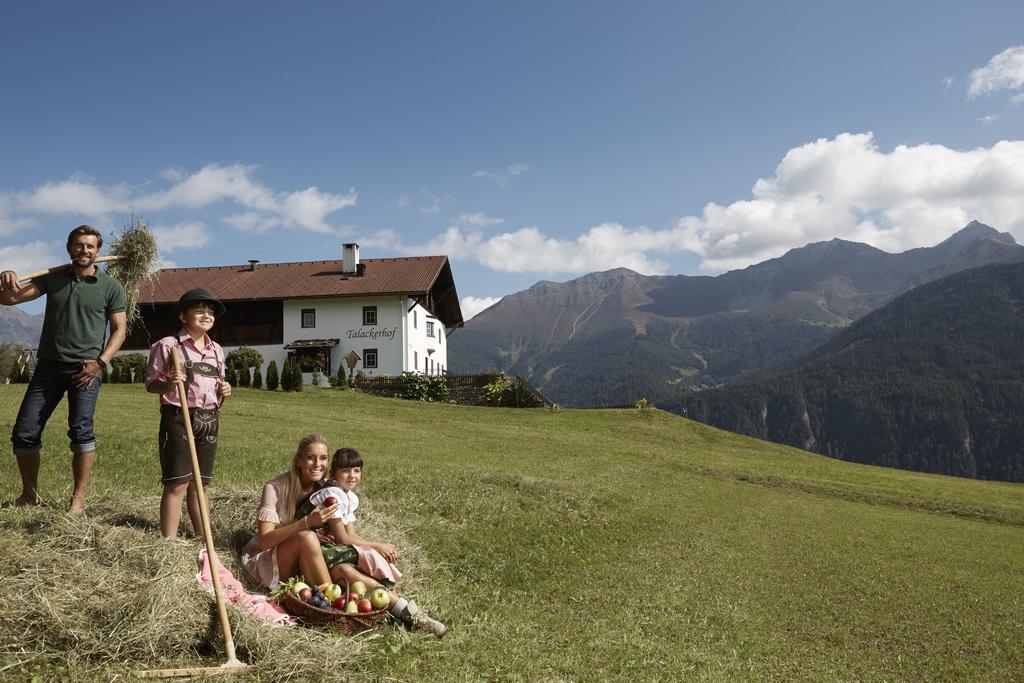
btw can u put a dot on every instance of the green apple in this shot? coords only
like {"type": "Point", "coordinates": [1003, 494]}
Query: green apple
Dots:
{"type": "Point", "coordinates": [358, 587]}
{"type": "Point", "coordinates": [332, 592]}
{"type": "Point", "coordinates": [379, 598]}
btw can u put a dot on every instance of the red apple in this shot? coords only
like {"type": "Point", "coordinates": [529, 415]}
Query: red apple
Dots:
{"type": "Point", "coordinates": [364, 605]}
{"type": "Point", "coordinates": [354, 597]}
{"type": "Point", "coordinates": [339, 603]}
{"type": "Point", "coordinates": [305, 594]}
{"type": "Point", "coordinates": [329, 501]}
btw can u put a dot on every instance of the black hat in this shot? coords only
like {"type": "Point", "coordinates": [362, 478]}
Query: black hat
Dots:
{"type": "Point", "coordinates": [199, 294]}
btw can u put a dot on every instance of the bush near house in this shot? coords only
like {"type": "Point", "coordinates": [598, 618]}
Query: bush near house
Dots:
{"type": "Point", "coordinates": [243, 374]}
{"type": "Point", "coordinates": [491, 388]}
{"type": "Point", "coordinates": [273, 380]}
{"type": "Point", "coordinates": [340, 381]}
{"type": "Point", "coordinates": [287, 377]}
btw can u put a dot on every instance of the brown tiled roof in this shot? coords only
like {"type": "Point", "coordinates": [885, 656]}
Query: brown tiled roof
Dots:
{"type": "Point", "coordinates": [302, 280]}
{"type": "Point", "coordinates": [416, 276]}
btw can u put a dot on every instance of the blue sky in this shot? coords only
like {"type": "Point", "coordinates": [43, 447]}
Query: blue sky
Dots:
{"type": "Point", "coordinates": [527, 141]}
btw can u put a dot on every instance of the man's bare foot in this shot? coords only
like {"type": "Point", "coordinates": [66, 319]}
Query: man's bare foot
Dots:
{"type": "Point", "coordinates": [77, 506]}
{"type": "Point", "coordinates": [28, 499]}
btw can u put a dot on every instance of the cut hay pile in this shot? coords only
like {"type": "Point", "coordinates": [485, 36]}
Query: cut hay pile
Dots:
{"type": "Point", "coordinates": [136, 247]}
{"type": "Point", "coordinates": [104, 596]}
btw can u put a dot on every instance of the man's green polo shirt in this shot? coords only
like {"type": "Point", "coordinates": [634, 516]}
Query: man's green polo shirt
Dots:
{"type": "Point", "coordinates": [77, 309]}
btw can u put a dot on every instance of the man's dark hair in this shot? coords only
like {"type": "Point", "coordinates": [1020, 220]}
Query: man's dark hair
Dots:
{"type": "Point", "coordinates": [85, 230]}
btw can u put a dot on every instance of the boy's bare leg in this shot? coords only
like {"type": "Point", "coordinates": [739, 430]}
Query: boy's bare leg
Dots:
{"type": "Point", "coordinates": [81, 468]}
{"type": "Point", "coordinates": [170, 509]}
{"type": "Point", "coordinates": [192, 501]}
{"type": "Point", "coordinates": [28, 466]}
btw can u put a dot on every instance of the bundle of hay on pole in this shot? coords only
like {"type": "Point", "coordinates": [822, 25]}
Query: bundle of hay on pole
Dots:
{"type": "Point", "coordinates": [136, 252]}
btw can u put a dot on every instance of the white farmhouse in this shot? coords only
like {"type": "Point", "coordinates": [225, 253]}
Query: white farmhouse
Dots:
{"type": "Point", "coordinates": [394, 313]}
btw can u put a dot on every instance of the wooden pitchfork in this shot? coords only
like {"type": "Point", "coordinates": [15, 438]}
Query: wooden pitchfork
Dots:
{"type": "Point", "coordinates": [65, 266]}
{"type": "Point", "coordinates": [232, 665]}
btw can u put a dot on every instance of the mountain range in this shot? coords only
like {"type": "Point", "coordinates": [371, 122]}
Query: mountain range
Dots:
{"type": "Point", "coordinates": [18, 327]}
{"type": "Point", "coordinates": [615, 336]}
{"type": "Point", "coordinates": [933, 381]}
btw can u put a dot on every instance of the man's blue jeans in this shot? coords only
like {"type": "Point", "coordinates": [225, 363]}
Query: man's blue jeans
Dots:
{"type": "Point", "coordinates": [50, 381]}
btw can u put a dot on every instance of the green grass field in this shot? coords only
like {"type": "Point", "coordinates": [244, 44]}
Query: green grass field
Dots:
{"type": "Point", "coordinates": [590, 545]}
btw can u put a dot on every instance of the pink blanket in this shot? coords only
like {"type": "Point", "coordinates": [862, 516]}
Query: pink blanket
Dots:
{"type": "Point", "coordinates": [235, 594]}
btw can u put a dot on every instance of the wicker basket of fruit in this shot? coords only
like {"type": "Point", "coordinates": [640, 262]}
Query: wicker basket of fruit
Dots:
{"type": "Point", "coordinates": [351, 609]}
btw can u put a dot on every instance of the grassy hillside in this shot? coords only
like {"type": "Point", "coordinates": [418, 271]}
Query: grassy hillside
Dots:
{"type": "Point", "coordinates": [575, 545]}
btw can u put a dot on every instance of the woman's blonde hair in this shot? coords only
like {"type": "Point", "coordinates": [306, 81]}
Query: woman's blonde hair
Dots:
{"type": "Point", "coordinates": [293, 491]}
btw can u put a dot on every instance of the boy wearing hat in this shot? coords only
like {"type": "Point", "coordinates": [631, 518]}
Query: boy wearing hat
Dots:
{"type": "Point", "coordinates": [205, 387]}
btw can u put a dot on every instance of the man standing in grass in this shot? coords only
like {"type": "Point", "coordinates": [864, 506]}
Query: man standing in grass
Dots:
{"type": "Point", "coordinates": [80, 301]}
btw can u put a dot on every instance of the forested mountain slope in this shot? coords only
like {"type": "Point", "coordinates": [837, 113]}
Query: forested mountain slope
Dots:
{"type": "Point", "coordinates": [933, 381]}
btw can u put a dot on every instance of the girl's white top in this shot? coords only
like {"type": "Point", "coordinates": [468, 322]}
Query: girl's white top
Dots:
{"type": "Point", "coordinates": [348, 500]}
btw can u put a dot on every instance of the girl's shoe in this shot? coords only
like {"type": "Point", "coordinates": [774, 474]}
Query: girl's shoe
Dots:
{"type": "Point", "coordinates": [413, 617]}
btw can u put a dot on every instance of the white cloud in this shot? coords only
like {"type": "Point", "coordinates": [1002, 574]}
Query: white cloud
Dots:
{"type": "Point", "coordinates": [1005, 71]}
{"type": "Point", "coordinates": [182, 236]}
{"type": "Point", "coordinates": [429, 203]}
{"type": "Point", "coordinates": [842, 187]}
{"type": "Point", "coordinates": [31, 257]}
{"type": "Point", "coordinates": [987, 119]}
{"type": "Point", "coordinates": [528, 250]}
{"type": "Point", "coordinates": [72, 196]}
{"type": "Point", "coordinates": [253, 221]}
{"type": "Point", "coordinates": [478, 219]}
{"type": "Point", "coordinates": [309, 208]}
{"type": "Point", "coordinates": [382, 238]}
{"type": "Point", "coordinates": [472, 305]}
{"type": "Point", "coordinates": [263, 206]}
{"type": "Point", "coordinates": [501, 178]}
{"type": "Point", "coordinates": [947, 82]}
{"type": "Point", "coordinates": [9, 226]}
{"type": "Point", "coordinates": [433, 207]}
{"type": "Point", "coordinates": [846, 187]}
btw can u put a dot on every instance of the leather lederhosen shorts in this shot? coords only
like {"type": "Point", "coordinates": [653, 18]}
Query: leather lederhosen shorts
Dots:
{"type": "Point", "coordinates": [175, 458]}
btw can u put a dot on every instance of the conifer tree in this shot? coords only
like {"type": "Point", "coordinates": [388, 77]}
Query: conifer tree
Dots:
{"type": "Point", "coordinates": [105, 376]}
{"type": "Point", "coordinates": [243, 375]}
{"type": "Point", "coordinates": [272, 377]}
{"type": "Point", "coordinates": [287, 377]}
{"type": "Point", "coordinates": [257, 378]}
{"type": "Point", "coordinates": [341, 381]}
{"type": "Point", "coordinates": [15, 373]}
{"type": "Point", "coordinates": [297, 381]}
{"type": "Point", "coordinates": [230, 375]}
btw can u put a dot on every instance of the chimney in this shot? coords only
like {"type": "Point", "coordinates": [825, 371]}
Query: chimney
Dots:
{"type": "Point", "coordinates": [350, 259]}
{"type": "Point", "coordinates": [252, 264]}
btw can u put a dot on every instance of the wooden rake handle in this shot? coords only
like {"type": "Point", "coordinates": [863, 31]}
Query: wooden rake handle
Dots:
{"type": "Point", "coordinates": [204, 513]}
{"type": "Point", "coordinates": [64, 266]}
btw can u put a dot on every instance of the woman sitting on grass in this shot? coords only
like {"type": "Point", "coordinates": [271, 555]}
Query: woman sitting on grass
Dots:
{"type": "Point", "coordinates": [286, 544]}
{"type": "Point", "coordinates": [350, 556]}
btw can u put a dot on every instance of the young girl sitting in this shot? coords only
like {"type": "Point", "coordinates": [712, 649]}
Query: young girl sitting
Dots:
{"type": "Point", "coordinates": [350, 556]}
